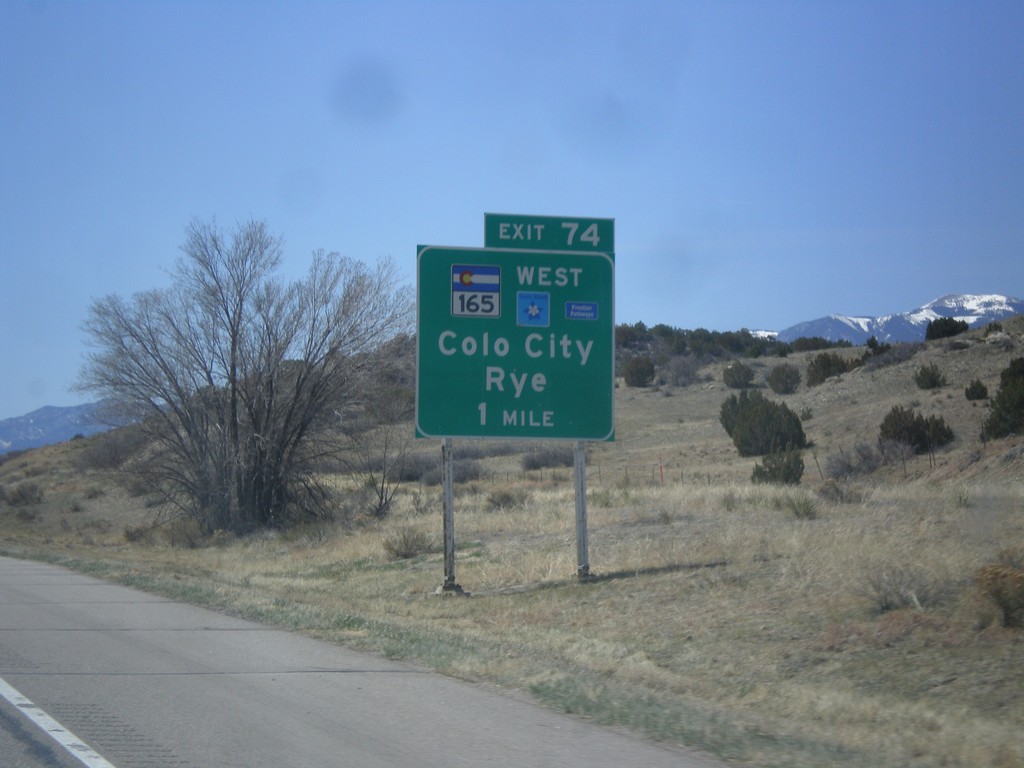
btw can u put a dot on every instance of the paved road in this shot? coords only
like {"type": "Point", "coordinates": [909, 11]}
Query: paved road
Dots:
{"type": "Point", "coordinates": [151, 683]}
{"type": "Point", "coordinates": [24, 746]}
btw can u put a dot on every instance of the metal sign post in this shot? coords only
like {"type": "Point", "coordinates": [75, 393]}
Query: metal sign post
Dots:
{"type": "Point", "coordinates": [579, 456]}
{"type": "Point", "coordinates": [447, 481]}
{"type": "Point", "coordinates": [569, 234]}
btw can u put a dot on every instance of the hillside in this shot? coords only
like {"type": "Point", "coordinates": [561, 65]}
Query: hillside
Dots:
{"type": "Point", "coordinates": [837, 623]}
{"type": "Point", "coordinates": [679, 429]}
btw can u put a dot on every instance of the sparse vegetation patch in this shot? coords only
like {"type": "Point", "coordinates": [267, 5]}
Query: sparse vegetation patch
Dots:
{"type": "Point", "coordinates": [25, 494]}
{"type": "Point", "coordinates": [944, 327]}
{"type": "Point", "coordinates": [784, 467]}
{"type": "Point", "coordinates": [1007, 414]}
{"type": "Point", "coordinates": [407, 542]}
{"type": "Point", "coordinates": [784, 379]}
{"type": "Point", "coordinates": [826, 365]}
{"type": "Point", "coordinates": [894, 586]}
{"type": "Point", "coordinates": [738, 375]}
{"type": "Point", "coordinates": [758, 425]}
{"type": "Point", "coordinates": [976, 390]}
{"type": "Point", "coordinates": [639, 371]}
{"type": "Point", "coordinates": [862, 459]}
{"type": "Point", "coordinates": [906, 426]}
{"type": "Point", "coordinates": [929, 377]}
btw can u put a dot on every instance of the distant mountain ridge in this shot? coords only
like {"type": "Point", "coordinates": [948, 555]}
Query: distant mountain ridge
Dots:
{"type": "Point", "coordinates": [974, 309]}
{"type": "Point", "coordinates": [50, 424]}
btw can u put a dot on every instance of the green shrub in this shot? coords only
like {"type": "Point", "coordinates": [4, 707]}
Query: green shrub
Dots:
{"type": "Point", "coordinates": [929, 377]}
{"type": "Point", "coordinates": [737, 375]}
{"type": "Point", "coordinates": [826, 365]}
{"type": "Point", "coordinates": [944, 327]}
{"type": "Point", "coordinates": [976, 390]}
{"type": "Point", "coordinates": [639, 371]}
{"type": "Point", "coordinates": [892, 355]}
{"type": "Point", "coordinates": [627, 335]}
{"type": "Point", "coordinates": [781, 467]}
{"type": "Point", "coordinates": [759, 426]}
{"type": "Point", "coordinates": [784, 379]}
{"type": "Point", "coordinates": [875, 348]}
{"type": "Point", "coordinates": [905, 426]}
{"type": "Point", "coordinates": [811, 344]}
{"type": "Point", "coordinates": [1006, 416]}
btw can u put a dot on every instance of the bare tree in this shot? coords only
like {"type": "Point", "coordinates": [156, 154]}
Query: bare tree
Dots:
{"type": "Point", "coordinates": [377, 426]}
{"type": "Point", "coordinates": [237, 376]}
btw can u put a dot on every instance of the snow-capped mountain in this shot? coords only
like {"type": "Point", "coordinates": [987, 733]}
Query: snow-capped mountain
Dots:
{"type": "Point", "coordinates": [50, 424]}
{"type": "Point", "coordinates": [907, 326]}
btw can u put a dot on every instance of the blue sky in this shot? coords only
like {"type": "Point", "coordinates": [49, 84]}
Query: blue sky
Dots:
{"type": "Point", "coordinates": [765, 162]}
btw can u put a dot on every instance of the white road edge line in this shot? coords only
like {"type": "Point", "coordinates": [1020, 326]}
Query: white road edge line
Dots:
{"type": "Point", "coordinates": [74, 745]}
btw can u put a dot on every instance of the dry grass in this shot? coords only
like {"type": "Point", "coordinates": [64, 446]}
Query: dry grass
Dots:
{"type": "Point", "coordinates": [722, 614]}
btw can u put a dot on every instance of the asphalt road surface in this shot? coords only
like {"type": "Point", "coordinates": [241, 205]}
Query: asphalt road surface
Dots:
{"type": "Point", "coordinates": [146, 682]}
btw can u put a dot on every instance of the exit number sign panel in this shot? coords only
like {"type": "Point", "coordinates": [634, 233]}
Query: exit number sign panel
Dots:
{"type": "Point", "coordinates": [515, 344]}
{"type": "Point", "coordinates": [549, 233]}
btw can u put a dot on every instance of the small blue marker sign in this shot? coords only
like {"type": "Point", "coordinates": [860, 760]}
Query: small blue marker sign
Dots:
{"type": "Point", "coordinates": [581, 310]}
{"type": "Point", "coordinates": [533, 309]}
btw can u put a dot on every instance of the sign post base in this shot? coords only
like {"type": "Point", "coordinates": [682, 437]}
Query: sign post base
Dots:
{"type": "Point", "coordinates": [451, 590]}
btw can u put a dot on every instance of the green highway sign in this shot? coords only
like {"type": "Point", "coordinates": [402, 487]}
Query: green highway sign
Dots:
{"type": "Point", "coordinates": [549, 233]}
{"type": "Point", "coordinates": [516, 343]}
